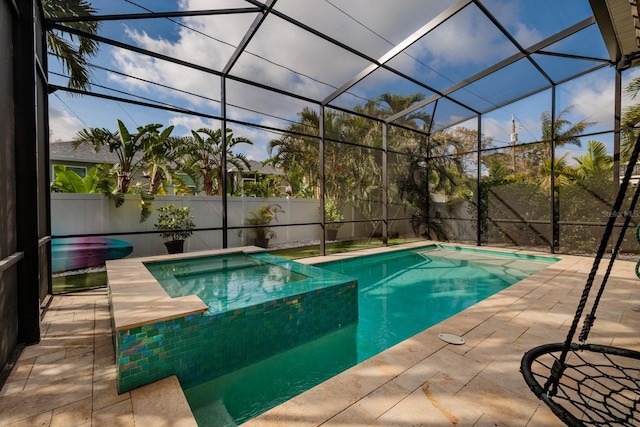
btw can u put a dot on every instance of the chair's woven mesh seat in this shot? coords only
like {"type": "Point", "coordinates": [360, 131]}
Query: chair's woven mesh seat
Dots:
{"type": "Point", "coordinates": [600, 385]}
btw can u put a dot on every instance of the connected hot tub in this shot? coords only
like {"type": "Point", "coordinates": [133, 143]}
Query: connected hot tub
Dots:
{"type": "Point", "coordinates": [202, 315]}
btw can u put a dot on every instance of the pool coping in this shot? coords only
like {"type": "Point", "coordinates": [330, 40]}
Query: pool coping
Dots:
{"type": "Point", "coordinates": [136, 298]}
{"type": "Point", "coordinates": [309, 279]}
{"type": "Point", "coordinates": [425, 244]}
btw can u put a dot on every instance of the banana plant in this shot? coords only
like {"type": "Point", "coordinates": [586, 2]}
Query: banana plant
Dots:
{"type": "Point", "coordinates": [68, 181]}
{"type": "Point", "coordinates": [147, 151]}
{"type": "Point", "coordinates": [97, 180]}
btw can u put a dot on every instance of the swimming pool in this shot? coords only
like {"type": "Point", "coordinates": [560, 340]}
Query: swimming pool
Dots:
{"type": "Point", "coordinates": [400, 294]}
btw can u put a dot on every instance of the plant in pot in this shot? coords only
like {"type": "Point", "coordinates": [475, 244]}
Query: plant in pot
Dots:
{"type": "Point", "coordinates": [176, 225]}
{"type": "Point", "coordinates": [332, 215]}
{"type": "Point", "coordinates": [260, 220]}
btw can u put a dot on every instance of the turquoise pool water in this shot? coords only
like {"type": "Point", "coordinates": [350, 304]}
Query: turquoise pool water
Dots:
{"type": "Point", "coordinates": [400, 294]}
{"type": "Point", "coordinates": [236, 280]}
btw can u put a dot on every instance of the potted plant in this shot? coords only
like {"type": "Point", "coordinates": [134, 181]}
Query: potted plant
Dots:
{"type": "Point", "coordinates": [260, 220]}
{"type": "Point", "coordinates": [176, 226]}
{"type": "Point", "coordinates": [332, 215]}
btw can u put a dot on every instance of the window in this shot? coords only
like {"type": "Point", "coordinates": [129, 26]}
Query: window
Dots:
{"type": "Point", "coordinates": [80, 170]}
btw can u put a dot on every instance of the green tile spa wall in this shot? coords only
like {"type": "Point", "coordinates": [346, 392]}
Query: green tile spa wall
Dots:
{"type": "Point", "coordinates": [200, 347]}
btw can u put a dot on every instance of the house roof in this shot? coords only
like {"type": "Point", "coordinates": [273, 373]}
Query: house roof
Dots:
{"type": "Point", "coordinates": [257, 166]}
{"type": "Point", "coordinates": [66, 152]}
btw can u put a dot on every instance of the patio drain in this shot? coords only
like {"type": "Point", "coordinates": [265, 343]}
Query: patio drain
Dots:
{"type": "Point", "coordinates": [452, 338]}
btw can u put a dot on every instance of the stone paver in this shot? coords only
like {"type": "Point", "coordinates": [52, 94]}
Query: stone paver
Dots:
{"type": "Point", "coordinates": [68, 379]}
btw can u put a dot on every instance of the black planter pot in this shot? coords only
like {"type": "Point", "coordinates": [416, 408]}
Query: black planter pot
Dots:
{"type": "Point", "coordinates": [261, 242]}
{"type": "Point", "coordinates": [332, 233]}
{"type": "Point", "coordinates": [175, 246]}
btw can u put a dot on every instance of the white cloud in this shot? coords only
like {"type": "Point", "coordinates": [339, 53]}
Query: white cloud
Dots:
{"type": "Point", "coordinates": [260, 138]}
{"type": "Point", "coordinates": [510, 14]}
{"type": "Point", "coordinates": [171, 75]}
{"type": "Point", "coordinates": [184, 124]}
{"type": "Point", "coordinates": [526, 36]}
{"type": "Point", "coordinates": [462, 40]}
{"type": "Point", "coordinates": [495, 129]}
{"type": "Point", "coordinates": [62, 125]}
{"type": "Point", "coordinates": [468, 38]}
{"type": "Point", "coordinates": [465, 39]}
{"type": "Point", "coordinates": [193, 47]}
{"type": "Point", "coordinates": [254, 152]}
{"type": "Point", "coordinates": [594, 98]}
{"type": "Point", "coordinates": [287, 46]}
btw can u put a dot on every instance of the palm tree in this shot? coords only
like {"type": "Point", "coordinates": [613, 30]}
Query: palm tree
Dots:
{"type": "Point", "coordinates": [72, 56]}
{"type": "Point", "coordinates": [384, 106]}
{"type": "Point", "coordinates": [203, 157]}
{"type": "Point", "coordinates": [561, 170]}
{"type": "Point", "coordinates": [353, 172]}
{"type": "Point", "coordinates": [431, 170]}
{"type": "Point", "coordinates": [564, 132]}
{"type": "Point", "coordinates": [532, 158]}
{"type": "Point", "coordinates": [299, 148]}
{"type": "Point", "coordinates": [299, 145]}
{"type": "Point", "coordinates": [595, 164]}
{"type": "Point", "coordinates": [630, 120]}
{"type": "Point", "coordinates": [396, 103]}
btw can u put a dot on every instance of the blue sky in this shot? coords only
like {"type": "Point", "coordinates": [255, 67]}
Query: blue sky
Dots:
{"type": "Point", "coordinates": [454, 51]}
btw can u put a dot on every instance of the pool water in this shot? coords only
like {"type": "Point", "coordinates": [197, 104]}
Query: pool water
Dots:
{"type": "Point", "coordinates": [401, 293]}
{"type": "Point", "coordinates": [225, 281]}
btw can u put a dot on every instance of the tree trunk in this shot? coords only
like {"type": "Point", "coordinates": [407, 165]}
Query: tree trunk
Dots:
{"type": "Point", "coordinates": [123, 182]}
{"type": "Point", "coordinates": [155, 180]}
{"type": "Point", "coordinates": [208, 185]}
{"type": "Point", "coordinates": [220, 189]}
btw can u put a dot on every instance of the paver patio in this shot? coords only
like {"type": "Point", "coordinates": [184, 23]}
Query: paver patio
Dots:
{"type": "Point", "coordinates": [68, 379]}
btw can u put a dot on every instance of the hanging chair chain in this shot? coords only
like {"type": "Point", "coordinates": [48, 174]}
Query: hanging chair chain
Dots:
{"type": "Point", "coordinates": [559, 365]}
{"type": "Point", "coordinates": [591, 317]}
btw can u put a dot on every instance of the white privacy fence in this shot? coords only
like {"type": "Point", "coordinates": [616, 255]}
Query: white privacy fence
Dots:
{"type": "Point", "coordinates": [83, 214]}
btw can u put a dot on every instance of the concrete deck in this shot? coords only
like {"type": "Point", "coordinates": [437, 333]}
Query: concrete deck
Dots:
{"type": "Point", "coordinates": [68, 379]}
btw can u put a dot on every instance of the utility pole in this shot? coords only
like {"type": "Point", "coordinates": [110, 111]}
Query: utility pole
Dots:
{"type": "Point", "coordinates": [514, 140]}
